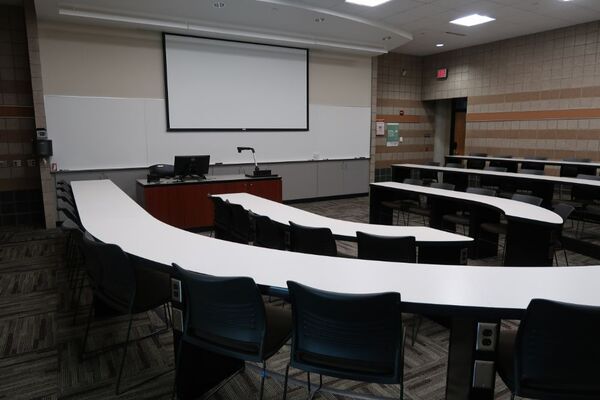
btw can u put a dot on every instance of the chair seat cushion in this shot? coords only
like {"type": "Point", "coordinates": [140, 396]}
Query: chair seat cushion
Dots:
{"type": "Point", "coordinates": [426, 212]}
{"type": "Point", "coordinates": [493, 227]}
{"type": "Point", "coordinates": [400, 204]}
{"type": "Point", "coordinates": [343, 364]}
{"type": "Point", "coordinates": [506, 349]}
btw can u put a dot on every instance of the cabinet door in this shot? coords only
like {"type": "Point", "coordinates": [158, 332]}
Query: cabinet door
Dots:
{"type": "Point", "coordinates": [268, 189]}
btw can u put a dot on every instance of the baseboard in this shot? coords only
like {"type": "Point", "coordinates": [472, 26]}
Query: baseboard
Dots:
{"type": "Point", "coordinates": [325, 198]}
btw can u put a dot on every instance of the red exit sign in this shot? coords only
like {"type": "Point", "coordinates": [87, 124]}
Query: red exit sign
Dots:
{"type": "Point", "coordinates": [442, 73]}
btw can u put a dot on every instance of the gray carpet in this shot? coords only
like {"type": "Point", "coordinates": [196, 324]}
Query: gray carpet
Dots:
{"type": "Point", "coordinates": [39, 344]}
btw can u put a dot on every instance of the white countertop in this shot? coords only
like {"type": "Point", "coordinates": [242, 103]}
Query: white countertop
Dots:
{"type": "Point", "coordinates": [113, 217]}
{"type": "Point", "coordinates": [520, 159]}
{"type": "Point", "coordinates": [283, 214]}
{"type": "Point", "coordinates": [510, 208]}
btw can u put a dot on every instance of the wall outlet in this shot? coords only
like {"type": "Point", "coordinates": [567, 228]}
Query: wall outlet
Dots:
{"type": "Point", "coordinates": [31, 162]}
{"type": "Point", "coordinates": [17, 163]}
{"type": "Point", "coordinates": [176, 294]}
{"type": "Point", "coordinates": [401, 139]}
{"type": "Point", "coordinates": [486, 336]}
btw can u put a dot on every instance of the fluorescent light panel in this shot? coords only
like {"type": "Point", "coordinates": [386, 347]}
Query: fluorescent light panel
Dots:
{"type": "Point", "coordinates": [472, 20]}
{"type": "Point", "coordinates": [368, 3]}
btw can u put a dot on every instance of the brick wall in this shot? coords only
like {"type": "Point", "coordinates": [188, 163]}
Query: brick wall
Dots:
{"type": "Point", "coordinates": [20, 197]}
{"type": "Point", "coordinates": [398, 91]}
{"type": "Point", "coordinates": [536, 95]}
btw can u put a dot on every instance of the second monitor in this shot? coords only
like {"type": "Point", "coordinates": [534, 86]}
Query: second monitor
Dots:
{"type": "Point", "coordinates": [194, 166]}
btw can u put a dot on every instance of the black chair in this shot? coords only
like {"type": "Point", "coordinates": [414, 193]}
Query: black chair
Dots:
{"type": "Point", "coordinates": [424, 209]}
{"type": "Point", "coordinates": [268, 233]}
{"type": "Point", "coordinates": [571, 171]}
{"type": "Point", "coordinates": [227, 316]}
{"type": "Point", "coordinates": [125, 289]}
{"type": "Point", "coordinates": [401, 206]}
{"type": "Point", "coordinates": [73, 257]}
{"type": "Point", "coordinates": [240, 228]}
{"type": "Point", "coordinates": [68, 211]}
{"type": "Point", "coordinates": [490, 181]}
{"type": "Point", "coordinates": [386, 248]}
{"type": "Point", "coordinates": [454, 165]}
{"type": "Point", "coordinates": [307, 239]}
{"type": "Point", "coordinates": [476, 163]}
{"type": "Point", "coordinates": [223, 223]}
{"type": "Point", "coordinates": [585, 201]}
{"type": "Point", "coordinates": [530, 171]}
{"type": "Point", "coordinates": [462, 218]}
{"type": "Point", "coordinates": [347, 336]}
{"type": "Point", "coordinates": [427, 176]}
{"type": "Point", "coordinates": [510, 166]}
{"type": "Point", "coordinates": [500, 228]}
{"type": "Point", "coordinates": [533, 165]}
{"type": "Point", "coordinates": [554, 354]}
{"type": "Point", "coordinates": [565, 211]}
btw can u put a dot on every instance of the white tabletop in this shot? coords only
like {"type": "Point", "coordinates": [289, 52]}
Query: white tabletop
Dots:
{"type": "Point", "coordinates": [113, 217]}
{"type": "Point", "coordinates": [283, 214]}
{"type": "Point", "coordinates": [547, 178]}
{"type": "Point", "coordinates": [510, 208]}
{"type": "Point", "coordinates": [520, 159]}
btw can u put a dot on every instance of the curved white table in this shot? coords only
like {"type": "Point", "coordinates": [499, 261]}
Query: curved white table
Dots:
{"type": "Point", "coordinates": [589, 165]}
{"type": "Point", "coordinates": [541, 185]}
{"type": "Point", "coordinates": [467, 293]}
{"type": "Point", "coordinates": [435, 246]}
{"type": "Point", "coordinates": [530, 229]}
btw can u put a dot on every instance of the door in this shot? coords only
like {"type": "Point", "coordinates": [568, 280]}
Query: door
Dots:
{"type": "Point", "coordinates": [460, 128]}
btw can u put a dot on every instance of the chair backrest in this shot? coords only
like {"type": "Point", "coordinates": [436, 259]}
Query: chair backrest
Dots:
{"type": "Point", "coordinates": [583, 193]}
{"type": "Point", "coordinates": [564, 210]}
{"type": "Point", "coordinates": [223, 218]}
{"type": "Point", "coordinates": [476, 163]}
{"type": "Point", "coordinates": [412, 181]}
{"type": "Point", "coordinates": [68, 210]}
{"type": "Point", "coordinates": [533, 165]}
{"type": "Point", "coordinates": [531, 171]}
{"type": "Point", "coordinates": [482, 191]}
{"type": "Point", "coordinates": [588, 176]}
{"type": "Point", "coordinates": [510, 166]}
{"type": "Point", "coordinates": [495, 169]}
{"type": "Point", "coordinates": [478, 154]}
{"type": "Point", "coordinates": [268, 233]}
{"type": "Point", "coordinates": [525, 198]}
{"type": "Point", "coordinates": [386, 248]}
{"type": "Point", "coordinates": [442, 185]}
{"type": "Point", "coordinates": [347, 336]}
{"type": "Point", "coordinates": [454, 165]}
{"type": "Point", "coordinates": [433, 163]}
{"type": "Point", "coordinates": [307, 239]}
{"type": "Point", "coordinates": [225, 315]}
{"type": "Point", "coordinates": [557, 352]}
{"type": "Point", "coordinates": [241, 223]}
{"type": "Point", "coordinates": [571, 171]}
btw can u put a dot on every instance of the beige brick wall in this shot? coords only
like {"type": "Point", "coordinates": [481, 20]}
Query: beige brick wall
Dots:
{"type": "Point", "coordinates": [536, 95]}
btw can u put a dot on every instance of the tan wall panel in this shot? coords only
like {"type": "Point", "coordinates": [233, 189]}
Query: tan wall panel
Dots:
{"type": "Point", "coordinates": [341, 80]}
{"type": "Point", "coordinates": [85, 61]}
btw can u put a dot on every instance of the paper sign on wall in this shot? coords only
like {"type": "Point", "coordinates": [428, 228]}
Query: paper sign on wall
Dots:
{"type": "Point", "coordinates": [380, 128]}
{"type": "Point", "coordinates": [393, 134]}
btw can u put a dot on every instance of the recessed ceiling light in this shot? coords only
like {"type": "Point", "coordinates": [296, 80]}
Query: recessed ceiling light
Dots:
{"type": "Point", "coordinates": [439, 45]}
{"type": "Point", "coordinates": [472, 20]}
{"type": "Point", "coordinates": [368, 3]}
{"type": "Point", "coordinates": [218, 4]}
{"type": "Point", "coordinates": [320, 19]}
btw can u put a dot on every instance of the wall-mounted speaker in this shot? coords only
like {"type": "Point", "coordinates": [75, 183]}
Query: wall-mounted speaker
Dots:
{"type": "Point", "coordinates": [43, 148]}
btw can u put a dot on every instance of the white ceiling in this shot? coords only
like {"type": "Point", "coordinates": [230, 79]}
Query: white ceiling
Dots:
{"type": "Point", "coordinates": [410, 26]}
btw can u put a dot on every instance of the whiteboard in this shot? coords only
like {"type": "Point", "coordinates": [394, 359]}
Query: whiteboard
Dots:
{"type": "Point", "coordinates": [217, 84]}
{"type": "Point", "coordinates": [108, 133]}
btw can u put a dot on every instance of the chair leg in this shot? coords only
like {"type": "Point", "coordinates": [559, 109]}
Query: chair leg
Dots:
{"type": "Point", "coordinates": [87, 330]}
{"type": "Point", "coordinates": [415, 329]}
{"type": "Point", "coordinates": [555, 258]}
{"type": "Point", "coordinates": [263, 375]}
{"type": "Point", "coordinates": [124, 354]}
{"type": "Point", "coordinates": [566, 258]}
{"type": "Point", "coordinates": [308, 381]}
{"type": "Point", "coordinates": [285, 381]}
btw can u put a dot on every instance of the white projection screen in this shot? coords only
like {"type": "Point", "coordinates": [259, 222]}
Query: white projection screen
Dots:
{"type": "Point", "coordinates": [234, 86]}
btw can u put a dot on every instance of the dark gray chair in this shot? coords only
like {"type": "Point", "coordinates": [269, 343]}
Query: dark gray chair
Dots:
{"type": "Point", "coordinates": [268, 233]}
{"type": "Point", "coordinates": [227, 316]}
{"type": "Point", "coordinates": [125, 289]}
{"type": "Point", "coordinates": [533, 165]}
{"type": "Point", "coordinates": [554, 354]}
{"type": "Point", "coordinates": [424, 209]}
{"type": "Point", "coordinates": [386, 248]}
{"type": "Point", "coordinates": [463, 218]}
{"type": "Point", "coordinates": [347, 336]}
{"type": "Point", "coordinates": [565, 211]}
{"type": "Point", "coordinates": [311, 240]}
{"type": "Point", "coordinates": [401, 206]}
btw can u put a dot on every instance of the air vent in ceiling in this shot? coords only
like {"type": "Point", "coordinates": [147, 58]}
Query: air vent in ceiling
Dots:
{"type": "Point", "coordinates": [456, 34]}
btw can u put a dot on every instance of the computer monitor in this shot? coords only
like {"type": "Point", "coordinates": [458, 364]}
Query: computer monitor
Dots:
{"type": "Point", "coordinates": [191, 165]}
